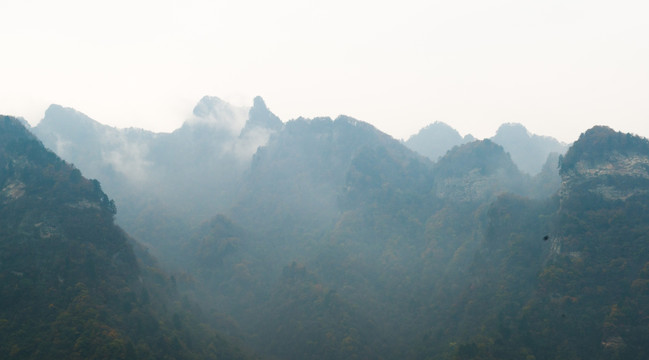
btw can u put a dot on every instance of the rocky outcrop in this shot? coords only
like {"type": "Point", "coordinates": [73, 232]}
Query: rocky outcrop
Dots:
{"type": "Point", "coordinates": [610, 164]}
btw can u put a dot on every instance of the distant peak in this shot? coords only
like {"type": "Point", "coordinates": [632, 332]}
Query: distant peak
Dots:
{"type": "Point", "coordinates": [54, 107]}
{"type": "Point", "coordinates": [260, 116]}
{"type": "Point", "coordinates": [218, 115]}
{"type": "Point", "coordinates": [437, 128]}
{"type": "Point", "coordinates": [207, 104]}
{"type": "Point", "coordinates": [438, 125]}
{"type": "Point", "coordinates": [434, 140]}
{"type": "Point", "coordinates": [57, 109]}
{"type": "Point", "coordinates": [512, 129]}
{"type": "Point", "coordinates": [58, 114]}
{"type": "Point", "coordinates": [259, 103]}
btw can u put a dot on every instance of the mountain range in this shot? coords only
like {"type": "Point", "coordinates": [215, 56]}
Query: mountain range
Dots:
{"type": "Point", "coordinates": [326, 238]}
{"type": "Point", "coordinates": [528, 151]}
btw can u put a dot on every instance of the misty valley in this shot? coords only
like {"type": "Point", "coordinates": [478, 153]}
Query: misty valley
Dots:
{"type": "Point", "coordinates": [241, 236]}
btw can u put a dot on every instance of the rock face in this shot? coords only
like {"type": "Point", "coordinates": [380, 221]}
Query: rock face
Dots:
{"type": "Point", "coordinates": [601, 228]}
{"type": "Point", "coordinates": [608, 163]}
{"type": "Point", "coordinates": [602, 170]}
{"type": "Point", "coordinates": [623, 177]}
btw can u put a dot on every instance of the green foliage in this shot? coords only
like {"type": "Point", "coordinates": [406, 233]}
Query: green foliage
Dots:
{"type": "Point", "coordinates": [599, 143]}
{"type": "Point", "coordinates": [70, 284]}
{"type": "Point", "coordinates": [580, 293]}
{"type": "Point", "coordinates": [343, 244]}
{"type": "Point", "coordinates": [305, 319]}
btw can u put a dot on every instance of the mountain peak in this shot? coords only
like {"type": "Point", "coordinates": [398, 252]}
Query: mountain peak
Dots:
{"type": "Point", "coordinates": [344, 119]}
{"type": "Point", "coordinates": [59, 115]}
{"type": "Point", "coordinates": [439, 125]}
{"type": "Point", "coordinates": [603, 144]}
{"type": "Point", "coordinates": [207, 105]}
{"type": "Point", "coordinates": [434, 140]}
{"type": "Point", "coordinates": [483, 155]}
{"type": "Point", "coordinates": [477, 170]}
{"type": "Point", "coordinates": [528, 151]}
{"type": "Point", "coordinates": [609, 163]}
{"type": "Point", "coordinates": [260, 116]}
{"type": "Point", "coordinates": [56, 110]}
{"type": "Point", "coordinates": [258, 102]}
{"type": "Point", "coordinates": [217, 113]}
{"type": "Point", "coordinates": [598, 133]}
{"type": "Point", "coordinates": [512, 129]}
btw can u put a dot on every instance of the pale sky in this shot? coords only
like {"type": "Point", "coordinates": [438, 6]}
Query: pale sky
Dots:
{"type": "Point", "coordinates": [557, 67]}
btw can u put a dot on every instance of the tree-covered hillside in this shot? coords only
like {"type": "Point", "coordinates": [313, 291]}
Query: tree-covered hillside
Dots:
{"type": "Point", "coordinates": [341, 242]}
{"type": "Point", "coordinates": [71, 286]}
{"type": "Point", "coordinates": [564, 279]}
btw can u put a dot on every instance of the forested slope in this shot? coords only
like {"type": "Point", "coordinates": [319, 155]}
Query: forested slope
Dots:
{"type": "Point", "coordinates": [70, 284]}
{"type": "Point", "coordinates": [566, 278]}
{"type": "Point", "coordinates": [340, 242]}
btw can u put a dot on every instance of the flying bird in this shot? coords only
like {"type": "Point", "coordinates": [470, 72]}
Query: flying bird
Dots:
{"type": "Point", "coordinates": [545, 238]}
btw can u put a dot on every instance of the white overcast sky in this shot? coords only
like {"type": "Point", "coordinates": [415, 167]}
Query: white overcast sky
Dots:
{"type": "Point", "coordinates": [558, 67]}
